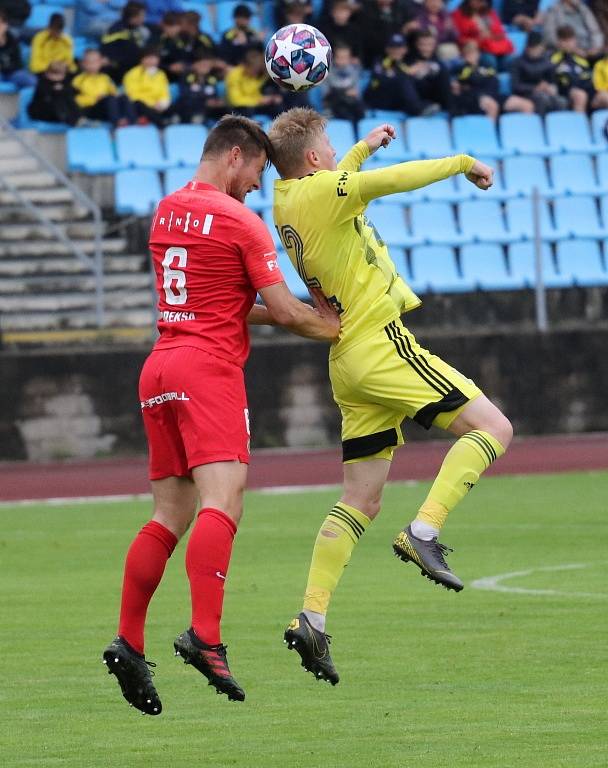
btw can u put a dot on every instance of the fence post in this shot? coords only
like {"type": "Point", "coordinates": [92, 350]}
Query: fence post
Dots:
{"type": "Point", "coordinates": [542, 322]}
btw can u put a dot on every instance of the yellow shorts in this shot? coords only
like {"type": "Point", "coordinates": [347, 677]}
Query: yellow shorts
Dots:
{"type": "Point", "coordinates": [389, 377]}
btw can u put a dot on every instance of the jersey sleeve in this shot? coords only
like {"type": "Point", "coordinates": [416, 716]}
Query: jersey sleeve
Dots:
{"type": "Point", "coordinates": [259, 252]}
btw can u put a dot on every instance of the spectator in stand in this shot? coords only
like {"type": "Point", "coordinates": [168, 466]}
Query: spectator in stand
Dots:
{"type": "Point", "coordinates": [171, 48]}
{"type": "Point", "coordinates": [475, 87]}
{"type": "Point", "coordinates": [434, 18]}
{"type": "Point", "coordinates": [199, 95]}
{"type": "Point", "coordinates": [476, 21]}
{"type": "Point", "coordinates": [340, 25]}
{"type": "Point", "coordinates": [192, 37]}
{"type": "Point", "coordinates": [574, 14]}
{"type": "Point", "coordinates": [391, 86]}
{"type": "Point", "coordinates": [53, 100]}
{"type": "Point", "coordinates": [92, 18]}
{"type": "Point", "coordinates": [600, 83]}
{"type": "Point", "coordinates": [124, 41]}
{"type": "Point", "coordinates": [147, 86]}
{"type": "Point", "coordinates": [156, 9]}
{"type": "Point", "coordinates": [97, 96]}
{"type": "Point", "coordinates": [533, 79]}
{"type": "Point", "coordinates": [431, 77]}
{"type": "Point", "coordinates": [522, 13]}
{"type": "Point", "coordinates": [572, 72]}
{"type": "Point", "coordinates": [238, 38]}
{"type": "Point", "coordinates": [380, 19]}
{"type": "Point", "coordinates": [52, 45]}
{"type": "Point", "coordinates": [249, 89]}
{"type": "Point", "coordinates": [342, 97]}
{"type": "Point", "coordinates": [284, 12]}
{"type": "Point", "coordinates": [16, 12]}
{"type": "Point", "coordinates": [11, 63]}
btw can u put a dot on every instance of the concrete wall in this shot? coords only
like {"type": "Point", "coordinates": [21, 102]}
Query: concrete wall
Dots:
{"type": "Point", "coordinates": [84, 402]}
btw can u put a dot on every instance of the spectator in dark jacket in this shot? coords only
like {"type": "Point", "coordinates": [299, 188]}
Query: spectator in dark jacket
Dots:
{"type": "Point", "coordinates": [475, 87]}
{"type": "Point", "coordinates": [382, 18]}
{"type": "Point", "coordinates": [341, 24]}
{"type": "Point", "coordinates": [192, 37]}
{"type": "Point", "coordinates": [283, 9]}
{"type": "Point", "coordinates": [236, 39]}
{"type": "Point", "coordinates": [573, 73]}
{"type": "Point", "coordinates": [16, 12]}
{"type": "Point", "coordinates": [533, 78]}
{"type": "Point", "coordinates": [54, 98]}
{"type": "Point", "coordinates": [171, 47]}
{"type": "Point", "coordinates": [124, 41]}
{"type": "Point", "coordinates": [342, 86]}
{"type": "Point", "coordinates": [431, 77]}
{"type": "Point", "coordinates": [434, 18]}
{"type": "Point", "coordinates": [391, 86]}
{"type": "Point", "coordinates": [199, 91]}
{"type": "Point", "coordinates": [522, 13]}
{"type": "Point", "coordinates": [11, 63]}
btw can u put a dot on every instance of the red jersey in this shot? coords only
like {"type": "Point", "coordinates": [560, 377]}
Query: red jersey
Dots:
{"type": "Point", "coordinates": [211, 255]}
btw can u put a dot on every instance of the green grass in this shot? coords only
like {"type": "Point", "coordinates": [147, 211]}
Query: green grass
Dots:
{"type": "Point", "coordinates": [429, 678]}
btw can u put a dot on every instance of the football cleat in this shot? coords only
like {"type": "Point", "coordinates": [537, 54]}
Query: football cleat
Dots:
{"type": "Point", "coordinates": [211, 661]}
{"type": "Point", "coordinates": [134, 676]}
{"type": "Point", "coordinates": [429, 556]}
{"type": "Point", "coordinates": [313, 647]}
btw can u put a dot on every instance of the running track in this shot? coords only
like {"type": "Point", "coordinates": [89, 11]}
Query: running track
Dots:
{"type": "Point", "coordinates": [416, 461]}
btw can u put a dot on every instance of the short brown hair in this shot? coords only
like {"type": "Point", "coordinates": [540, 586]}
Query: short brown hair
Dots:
{"type": "Point", "coordinates": [290, 135]}
{"type": "Point", "coordinates": [237, 131]}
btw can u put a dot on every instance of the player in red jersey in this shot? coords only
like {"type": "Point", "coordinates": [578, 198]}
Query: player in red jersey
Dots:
{"type": "Point", "coordinates": [211, 256]}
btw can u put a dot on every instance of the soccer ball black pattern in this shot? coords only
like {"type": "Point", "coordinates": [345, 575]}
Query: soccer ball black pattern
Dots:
{"type": "Point", "coordinates": [298, 57]}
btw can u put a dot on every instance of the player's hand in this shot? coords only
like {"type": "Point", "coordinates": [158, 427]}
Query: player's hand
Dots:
{"type": "Point", "coordinates": [380, 137]}
{"type": "Point", "coordinates": [326, 310]}
{"type": "Point", "coordinates": [481, 175]}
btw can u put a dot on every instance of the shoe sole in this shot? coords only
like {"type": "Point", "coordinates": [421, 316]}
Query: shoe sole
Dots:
{"type": "Point", "coordinates": [118, 666]}
{"type": "Point", "coordinates": [423, 572]}
{"type": "Point", "coordinates": [189, 656]}
{"type": "Point", "coordinates": [293, 642]}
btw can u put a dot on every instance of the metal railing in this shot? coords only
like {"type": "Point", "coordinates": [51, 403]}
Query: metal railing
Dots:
{"type": "Point", "coordinates": [94, 263]}
{"type": "Point", "coordinates": [540, 294]}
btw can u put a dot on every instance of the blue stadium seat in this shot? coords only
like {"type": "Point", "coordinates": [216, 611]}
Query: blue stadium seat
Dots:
{"type": "Point", "coordinates": [569, 132]}
{"type": "Point", "coordinates": [40, 15]}
{"type": "Point", "coordinates": [581, 261]}
{"type": "Point", "coordinates": [90, 150]}
{"type": "Point", "coordinates": [224, 18]}
{"type": "Point", "coordinates": [602, 171]}
{"type": "Point", "coordinates": [204, 8]}
{"type": "Point", "coordinates": [604, 212]}
{"type": "Point", "coordinates": [291, 277]}
{"type": "Point", "coordinates": [434, 267]}
{"type": "Point", "coordinates": [7, 88]}
{"type": "Point", "coordinates": [520, 220]}
{"type": "Point", "coordinates": [476, 135]}
{"type": "Point", "coordinates": [573, 174]}
{"type": "Point", "coordinates": [393, 116]}
{"type": "Point", "coordinates": [137, 191]}
{"type": "Point", "coordinates": [269, 177]}
{"type": "Point", "coordinates": [522, 266]}
{"type": "Point", "coordinates": [428, 137]}
{"type": "Point", "coordinates": [485, 265]}
{"type": "Point", "coordinates": [139, 146]}
{"type": "Point", "coordinates": [23, 120]}
{"type": "Point", "coordinates": [599, 121]}
{"type": "Point", "coordinates": [523, 135]}
{"type": "Point", "coordinates": [518, 38]}
{"type": "Point", "coordinates": [341, 136]}
{"type": "Point", "coordinates": [522, 174]}
{"type": "Point", "coordinates": [176, 178]}
{"type": "Point", "coordinates": [184, 143]}
{"type": "Point", "coordinates": [389, 221]}
{"type": "Point", "coordinates": [435, 224]}
{"type": "Point", "coordinates": [394, 153]}
{"type": "Point", "coordinates": [445, 190]}
{"type": "Point", "coordinates": [257, 200]}
{"type": "Point", "coordinates": [481, 221]}
{"type": "Point", "coordinates": [579, 217]}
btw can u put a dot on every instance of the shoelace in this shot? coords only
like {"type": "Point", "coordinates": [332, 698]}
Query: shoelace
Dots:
{"type": "Point", "coordinates": [150, 664]}
{"type": "Point", "coordinates": [443, 550]}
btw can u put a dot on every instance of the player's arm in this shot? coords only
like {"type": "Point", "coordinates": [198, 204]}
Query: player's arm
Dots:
{"type": "Point", "coordinates": [356, 156]}
{"type": "Point", "coordinates": [321, 322]}
{"type": "Point", "coordinates": [259, 315]}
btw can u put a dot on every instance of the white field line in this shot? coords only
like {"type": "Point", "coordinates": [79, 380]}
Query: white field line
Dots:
{"type": "Point", "coordinates": [495, 583]}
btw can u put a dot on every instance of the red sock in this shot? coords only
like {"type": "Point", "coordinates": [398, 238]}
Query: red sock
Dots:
{"type": "Point", "coordinates": [144, 568]}
{"type": "Point", "coordinates": [207, 560]}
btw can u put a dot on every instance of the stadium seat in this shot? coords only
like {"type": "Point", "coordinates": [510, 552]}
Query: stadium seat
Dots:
{"type": "Point", "coordinates": [602, 171]}
{"type": "Point", "coordinates": [393, 116]}
{"type": "Point", "coordinates": [395, 152]}
{"type": "Point", "coordinates": [139, 146]}
{"type": "Point", "coordinates": [476, 135]}
{"type": "Point", "coordinates": [482, 221]}
{"type": "Point", "coordinates": [257, 200]}
{"type": "Point", "coordinates": [573, 174]}
{"type": "Point", "coordinates": [434, 267]}
{"type": "Point", "coordinates": [485, 265]}
{"type": "Point", "coordinates": [520, 220]}
{"type": "Point", "coordinates": [40, 15]}
{"type": "Point", "coordinates": [389, 221]}
{"type": "Point", "coordinates": [581, 261]}
{"type": "Point", "coordinates": [434, 223]}
{"type": "Point", "coordinates": [224, 10]}
{"type": "Point", "coordinates": [341, 136]}
{"type": "Point", "coordinates": [518, 38]}
{"type": "Point", "coordinates": [522, 174]}
{"type": "Point", "coordinates": [8, 88]}
{"type": "Point", "coordinates": [446, 190]}
{"type": "Point", "coordinates": [522, 266]}
{"type": "Point", "coordinates": [90, 150]}
{"type": "Point", "coordinates": [428, 137]}
{"type": "Point", "coordinates": [23, 120]}
{"type": "Point", "coordinates": [579, 217]}
{"type": "Point", "coordinates": [176, 178]}
{"type": "Point", "coordinates": [599, 121]}
{"type": "Point", "coordinates": [206, 13]}
{"type": "Point", "coordinates": [137, 191]}
{"type": "Point", "coordinates": [184, 143]}
{"type": "Point", "coordinates": [523, 135]}
{"type": "Point", "coordinates": [569, 132]}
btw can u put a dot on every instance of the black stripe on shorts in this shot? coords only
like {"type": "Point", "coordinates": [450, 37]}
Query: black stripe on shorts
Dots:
{"type": "Point", "coordinates": [426, 415]}
{"type": "Point", "coordinates": [358, 447]}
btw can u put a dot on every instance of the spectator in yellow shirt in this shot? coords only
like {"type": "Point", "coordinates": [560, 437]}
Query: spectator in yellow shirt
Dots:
{"type": "Point", "coordinates": [600, 83]}
{"type": "Point", "coordinates": [96, 93]}
{"type": "Point", "coordinates": [50, 45]}
{"type": "Point", "coordinates": [147, 86]}
{"type": "Point", "coordinates": [249, 88]}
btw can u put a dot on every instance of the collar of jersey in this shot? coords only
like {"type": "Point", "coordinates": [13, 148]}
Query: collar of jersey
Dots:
{"type": "Point", "coordinates": [195, 186]}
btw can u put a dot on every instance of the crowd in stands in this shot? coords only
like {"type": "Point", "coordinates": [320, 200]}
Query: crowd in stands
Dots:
{"type": "Point", "coordinates": [155, 62]}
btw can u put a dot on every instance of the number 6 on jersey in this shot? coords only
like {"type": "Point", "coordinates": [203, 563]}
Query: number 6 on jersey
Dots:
{"type": "Point", "coordinates": [174, 280]}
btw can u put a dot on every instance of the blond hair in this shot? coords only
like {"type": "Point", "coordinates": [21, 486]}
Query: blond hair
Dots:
{"type": "Point", "coordinates": [291, 134]}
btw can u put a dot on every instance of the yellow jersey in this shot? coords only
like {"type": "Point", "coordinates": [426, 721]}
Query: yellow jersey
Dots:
{"type": "Point", "coordinates": [600, 75]}
{"type": "Point", "coordinates": [149, 88]}
{"type": "Point", "coordinates": [333, 246]}
{"type": "Point", "coordinates": [47, 48]}
{"type": "Point", "coordinates": [92, 87]}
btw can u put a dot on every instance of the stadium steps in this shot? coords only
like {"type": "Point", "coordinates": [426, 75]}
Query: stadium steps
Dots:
{"type": "Point", "coordinates": [36, 195]}
{"type": "Point", "coordinates": [33, 179]}
{"type": "Point", "coordinates": [49, 248]}
{"type": "Point", "coordinates": [56, 284]}
{"type": "Point", "coordinates": [69, 266]}
{"type": "Point", "coordinates": [54, 212]}
{"type": "Point", "coordinates": [74, 320]}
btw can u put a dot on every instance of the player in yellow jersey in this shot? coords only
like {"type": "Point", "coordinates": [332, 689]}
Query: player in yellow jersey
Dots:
{"type": "Point", "coordinates": [379, 373]}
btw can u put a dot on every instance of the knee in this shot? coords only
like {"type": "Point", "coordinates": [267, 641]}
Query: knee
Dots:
{"type": "Point", "coordinates": [502, 430]}
{"type": "Point", "coordinates": [230, 502]}
{"type": "Point", "coordinates": [177, 521]}
{"type": "Point", "coordinates": [368, 504]}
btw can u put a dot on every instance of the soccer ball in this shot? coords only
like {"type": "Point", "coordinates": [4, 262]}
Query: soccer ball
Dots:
{"type": "Point", "coordinates": [298, 57]}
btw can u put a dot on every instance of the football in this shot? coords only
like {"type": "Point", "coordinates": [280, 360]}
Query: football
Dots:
{"type": "Point", "coordinates": [298, 57]}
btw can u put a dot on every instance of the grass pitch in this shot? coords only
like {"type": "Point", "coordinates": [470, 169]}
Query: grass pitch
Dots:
{"type": "Point", "coordinates": [428, 678]}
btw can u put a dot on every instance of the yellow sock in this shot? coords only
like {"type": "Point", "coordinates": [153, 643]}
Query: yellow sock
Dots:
{"type": "Point", "coordinates": [466, 460]}
{"type": "Point", "coordinates": [336, 539]}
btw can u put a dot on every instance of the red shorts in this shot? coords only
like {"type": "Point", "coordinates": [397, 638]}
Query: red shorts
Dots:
{"type": "Point", "coordinates": [195, 412]}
